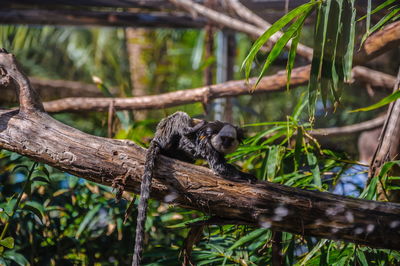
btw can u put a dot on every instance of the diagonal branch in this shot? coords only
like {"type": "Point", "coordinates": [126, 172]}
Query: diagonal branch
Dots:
{"type": "Point", "coordinates": [244, 12]}
{"type": "Point", "coordinates": [236, 24]}
{"type": "Point", "coordinates": [120, 163]}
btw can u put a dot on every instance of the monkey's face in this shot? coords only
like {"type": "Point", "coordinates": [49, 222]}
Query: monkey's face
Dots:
{"type": "Point", "coordinates": [226, 140]}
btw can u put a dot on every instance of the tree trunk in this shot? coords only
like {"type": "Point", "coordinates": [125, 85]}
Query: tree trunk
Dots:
{"type": "Point", "coordinates": [137, 43]}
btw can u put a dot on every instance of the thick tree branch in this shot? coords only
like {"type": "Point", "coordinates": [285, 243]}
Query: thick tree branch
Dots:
{"type": "Point", "coordinates": [33, 133]}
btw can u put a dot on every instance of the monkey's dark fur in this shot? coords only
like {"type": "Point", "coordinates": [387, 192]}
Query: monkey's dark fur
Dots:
{"type": "Point", "coordinates": [178, 136]}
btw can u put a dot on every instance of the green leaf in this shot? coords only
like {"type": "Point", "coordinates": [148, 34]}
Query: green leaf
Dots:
{"type": "Point", "coordinates": [88, 218]}
{"type": "Point", "coordinates": [278, 25]}
{"type": "Point", "coordinates": [249, 237]}
{"type": "Point", "coordinates": [361, 257]}
{"type": "Point", "coordinates": [298, 147]}
{"type": "Point", "coordinates": [393, 188]}
{"type": "Point", "coordinates": [16, 257]}
{"type": "Point", "coordinates": [274, 161]}
{"type": "Point", "coordinates": [368, 23]}
{"type": "Point", "coordinates": [314, 168]}
{"type": "Point", "coordinates": [346, 40]}
{"type": "Point", "coordinates": [20, 166]}
{"type": "Point", "coordinates": [186, 223]}
{"type": "Point", "coordinates": [380, 23]}
{"type": "Point", "coordinates": [378, 8]}
{"type": "Point", "coordinates": [15, 156]}
{"type": "Point", "coordinates": [298, 109]}
{"type": "Point", "coordinates": [316, 64]}
{"type": "Point", "coordinates": [370, 191]}
{"type": "Point", "coordinates": [311, 253]}
{"type": "Point", "coordinates": [7, 242]}
{"type": "Point", "coordinates": [36, 208]}
{"type": "Point", "coordinates": [281, 43]}
{"type": "Point", "coordinates": [329, 78]}
{"type": "Point", "coordinates": [292, 56]}
{"type": "Point", "coordinates": [40, 179]}
{"type": "Point", "coordinates": [391, 98]}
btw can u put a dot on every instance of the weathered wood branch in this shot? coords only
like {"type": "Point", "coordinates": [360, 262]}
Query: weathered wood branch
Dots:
{"type": "Point", "coordinates": [33, 133]}
{"type": "Point", "coordinates": [99, 18]}
{"type": "Point", "coordinates": [271, 83]}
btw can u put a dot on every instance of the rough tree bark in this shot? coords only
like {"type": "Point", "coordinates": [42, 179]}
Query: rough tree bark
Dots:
{"type": "Point", "coordinates": [31, 132]}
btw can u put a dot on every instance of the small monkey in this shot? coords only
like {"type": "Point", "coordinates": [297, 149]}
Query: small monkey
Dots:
{"type": "Point", "coordinates": [186, 139]}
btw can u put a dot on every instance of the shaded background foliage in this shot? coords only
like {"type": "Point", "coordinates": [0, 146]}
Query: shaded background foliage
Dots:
{"type": "Point", "coordinates": [62, 219]}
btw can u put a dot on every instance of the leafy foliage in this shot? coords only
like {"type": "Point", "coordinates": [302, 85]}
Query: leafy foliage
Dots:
{"type": "Point", "coordinates": [60, 219]}
{"type": "Point", "coordinates": [393, 15]}
{"type": "Point", "coordinates": [333, 47]}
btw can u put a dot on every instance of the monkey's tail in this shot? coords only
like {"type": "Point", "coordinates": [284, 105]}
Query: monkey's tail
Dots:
{"type": "Point", "coordinates": [145, 187]}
